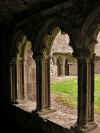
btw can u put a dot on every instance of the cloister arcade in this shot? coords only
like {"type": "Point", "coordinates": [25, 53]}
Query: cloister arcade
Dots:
{"type": "Point", "coordinates": [85, 60]}
{"type": "Point", "coordinates": [31, 36]}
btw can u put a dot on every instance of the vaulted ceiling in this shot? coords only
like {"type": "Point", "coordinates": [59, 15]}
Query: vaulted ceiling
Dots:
{"type": "Point", "coordinates": [8, 7]}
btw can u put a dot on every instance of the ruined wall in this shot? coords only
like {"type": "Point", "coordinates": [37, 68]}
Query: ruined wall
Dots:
{"type": "Point", "coordinates": [73, 69]}
{"type": "Point", "coordinates": [61, 47]}
{"type": "Point", "coordinates": [97, 67]}
{"type": "Point", "coordinates": [30, 80]}
{"type": "Point", "coordinates": [53, 70]}
{"type": "Point", "coordinates": [61, 44]}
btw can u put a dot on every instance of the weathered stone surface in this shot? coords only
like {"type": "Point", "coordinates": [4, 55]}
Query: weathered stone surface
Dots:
{"type": "Point", "coordinates": [97, 67]}
{"type": "Point", "coordinates": [61, 44]}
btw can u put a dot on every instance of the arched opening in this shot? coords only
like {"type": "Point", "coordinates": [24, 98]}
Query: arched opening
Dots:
{"type": "Point", "coordinates": [16, 71]}
{"type": "Point", "coordinates": [64, 95]}
{"type": "Point", "coordinates": [88, 94]}
{"type": "Point", "coordinates": [23, 76]}
{"type": "Point", "coordinates": [29, 75]}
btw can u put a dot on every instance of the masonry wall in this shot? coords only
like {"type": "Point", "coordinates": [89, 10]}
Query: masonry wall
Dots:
{"type": "Point", "coordinates": [61, 45]}
{"type": "Point", "coordinates": [30, 76]}
{"type": "Point", "coordinates": [73, 69]}
{"type": "Point", "coordinates": [53, 71]}
{"type": "Point", "coordinates": [97, 67]}
{"type": "Point", "coordinates": [30, 80]}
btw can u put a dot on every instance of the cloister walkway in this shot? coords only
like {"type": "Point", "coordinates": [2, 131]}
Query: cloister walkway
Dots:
{"type": "Point", "coordinates": [59, 113]}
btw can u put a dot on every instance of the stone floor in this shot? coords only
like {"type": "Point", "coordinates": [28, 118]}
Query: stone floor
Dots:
{"type": "Point", "coordinates": [59, 114]}
{"type": "Point", "coordinates": [97, 130]}
{"type": "Point", "coordinates": [26, 105]}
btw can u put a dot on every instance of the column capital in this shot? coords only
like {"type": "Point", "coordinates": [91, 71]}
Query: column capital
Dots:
{"type": "Point", "coordinates": [19, 60]}
{"type": "Point", "coordinates": [83, 54]}
{"type": "Point", "coordinates": [41, 56]}
{"type": "Point", "coordinates": [85, 119]}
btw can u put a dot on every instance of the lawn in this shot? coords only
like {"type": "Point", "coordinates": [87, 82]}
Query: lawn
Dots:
{"type": "Point", "coordinates": [66, 92]}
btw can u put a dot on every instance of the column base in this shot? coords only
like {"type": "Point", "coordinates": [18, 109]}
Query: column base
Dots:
{"type": "Point", "coordinates": [14, 102]}
{"type": "Point", "coordinates": [18, 101]}
{"type": "Point", "coordinates": [89, 128]}
{"type": "Point", "coordinates": [45, 111]}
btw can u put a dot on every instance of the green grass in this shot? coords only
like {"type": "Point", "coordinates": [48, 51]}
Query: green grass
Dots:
{"type": "Point", "coordinates": [66, 92]}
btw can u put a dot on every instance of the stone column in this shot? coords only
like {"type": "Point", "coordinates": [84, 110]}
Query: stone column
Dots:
{"type": "Point", "coordinates": [20, 79]}
{"type": "Point", "coordinates": [55, 66]}
{"type": "Point", "coordinates": [85, 120]}
{"type": "Point", "coordinates": [33, 81]}
{"type": "Point", "coordinates": [63, 67]}
{"type": "Point", "coordinates": [83, 69]}
{"type": "Point", "coordinates": [13, 79]}
{"type": "Point", "coordinates": [91, 94]}
{"type": "Point", "coordinates": [43, 82]}
{"type": "Point", "coordinates": [54, 60]}
{"type": "Point", "coordinates": [25, 79]}
{"type": "Point", "coordinates": [47, 78]}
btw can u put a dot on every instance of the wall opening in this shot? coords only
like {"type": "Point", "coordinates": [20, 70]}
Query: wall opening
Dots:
{"type": "Point", "coordinates": [63, 82]}
{"type": "Point", "coordinates": [23, 77]}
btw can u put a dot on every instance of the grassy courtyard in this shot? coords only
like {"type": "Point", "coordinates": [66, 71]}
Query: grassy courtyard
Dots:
{"type": "Point", "coordinates": [66, 92]}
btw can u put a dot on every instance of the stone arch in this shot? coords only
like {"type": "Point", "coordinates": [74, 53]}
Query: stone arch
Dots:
{"type": "Point", "coordinates": [48, 32]}
{"type": "Point", "coordinates": [16, 68]}
{"type": "Point", "coordinates": [18, 38]}
{"type": "Point", "coordinates": [29, 72]}
{"type": "Point", "coordinates": [42, 47]}
{"type": "Point", "coordinates": [85, 56]}
{"type": "Point", "coordinates": [20, 54]}
{"type": "Point", "coordinates": [90, 29]}
{"type": "Point", "coordinates": [83, 68]}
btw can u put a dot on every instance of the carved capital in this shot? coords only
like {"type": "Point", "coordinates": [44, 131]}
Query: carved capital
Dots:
{"type": "Point", "coordinates": [13, 60]}
{"type": "Point", "coordinates": [41, 55]}
{"type": "Point", "coordinates": [83, 53]}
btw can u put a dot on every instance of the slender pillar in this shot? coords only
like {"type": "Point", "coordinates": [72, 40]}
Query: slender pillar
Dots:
{"type": "Point", "coordinates": [54, 60]}
{"type": "Point", "coordinates": [66, 68]}
{"type": "Point", "coordinates": [91, 95]}
{"type": "Point", "coordinates": [92, 89]}
{"type": "Point", "coordinates": [22, 78]}
{"type": "Point", "coordinates": [13, 79]}
{"type": "Point", "coordinates": [20, 84]}
{"type": "Point", "coordinates": [43, 83]}
{"type": "Point", "coordinates": [47, 78]}
{"type": "Point", "coordinates": [25, 79]}
{"type": "Point", "coordinates": [63, 66]}
{"type": "Point", "coordinates": [85, 120]}
{"type": "Point", "coordinates": [83, 69]}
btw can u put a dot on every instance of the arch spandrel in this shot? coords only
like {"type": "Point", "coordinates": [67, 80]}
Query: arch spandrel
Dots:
{"type": "Point", "coordinates": [27, 48]}
{"type": "Point", "coordinates": [48, 32]}
{"type": "Point", "coordinates": [90, 29]}
{"type": "Point", "coordinates": [16, 44]}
